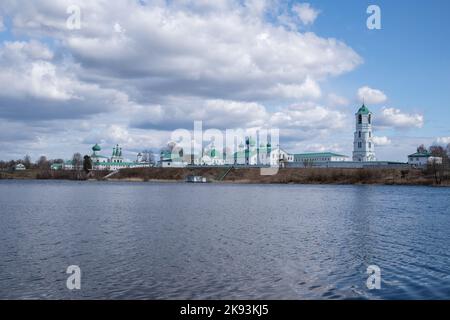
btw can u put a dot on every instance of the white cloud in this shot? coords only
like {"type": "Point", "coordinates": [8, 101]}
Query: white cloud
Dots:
{"type": "Point", "coordinates": [42, 88]}
{"type": "Point", "coordinates": [443, 140]}
{"type": "Point", "coordinates": [319, 147]}
{"type": "Point", "coordinates": [308, 89]}
{"type": "Point", "coordinates": [305, 12]}
{"type": "Point", "coordinates": [336, 100]}
{"type": "Point", "coordinates": [391, 117]}
{"type": "Point", "coordinates": [382, 141]}
{"type": "Point", "coordinates": [172, 62]}
{"type": "Point", "coordinates": [223, 50]}
{"type": "Point", "coordinates": [308, 116]}
{"type": "Point", "coordinates": [216, 113]}
{"type": "Point", "coordinates": [2, 25]}
{"type": "Point", "coordinates": [371, 96]}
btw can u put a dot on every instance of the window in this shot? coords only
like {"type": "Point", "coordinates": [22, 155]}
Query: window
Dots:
{"type": "Point", "coordinates": [370, 118]}
{"type": "Point", "coordinates": [359, 145]}
{"type": "Point", "coordinates": [370, 134]}
{"type": "Point", "coordinates": [370, 145]}
{"type": "Point", "coordinates": [359, 119]}
{"type": "Point", "coordinates": [359, 134]}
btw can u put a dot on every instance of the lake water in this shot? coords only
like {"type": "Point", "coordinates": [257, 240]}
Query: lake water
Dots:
{"type": "Point", "coordinates": [210, 241]}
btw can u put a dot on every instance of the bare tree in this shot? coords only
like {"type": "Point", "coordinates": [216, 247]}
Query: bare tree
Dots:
{"type": "Point", "coordinates": [77, 161]}
{"type": "Point", "coordinates": [437, 170]}
{"type": "Point", "coordinates": [27, 161]}
{"type": "Point", "coordinates": [43, 163]}
{"type": "Point", "coordinates": [438, 151]}
{"type": "Point", "coordinates": [421, 149]}
{"type": "Point", "coordinates": [308, 163]}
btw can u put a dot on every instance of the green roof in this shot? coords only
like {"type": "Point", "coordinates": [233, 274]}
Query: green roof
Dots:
{"type": "Point", "coordinates": [318, 154]}
{"type": "Point", "coordinates": [363, 110]}
{"type": "Point", "coordinates": [420, 154]}
{"type": "Point", "coordinates": [96, 148]}
{"type": "Point", "coordinates": [253, 151]}
{"type": "Point", "coordinates": [113, 163]}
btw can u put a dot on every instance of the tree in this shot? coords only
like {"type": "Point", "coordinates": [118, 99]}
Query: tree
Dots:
{"type": "Point", "coordinates": [308, 163]}
{"type": "Point", "coordinates": [43, 163]}
{"type": "Point", "coordinates": [421, 149]}
{"type": "Point", "coordinates": [27, 161]}
{"type": "Point", "coordinates": [438, 151]}
{"type": "Point", "coordinates": [77, 161]}
{"type": "Point", "coordinates": [437, 170]}
{"type": "Point", "coordinates": [87, 163]}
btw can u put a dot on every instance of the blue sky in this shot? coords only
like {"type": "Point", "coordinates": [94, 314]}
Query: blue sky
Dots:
{"type": "Point", "coordinates": [408, 58]}
{"type": "Point", "coordinates": [133, 73]}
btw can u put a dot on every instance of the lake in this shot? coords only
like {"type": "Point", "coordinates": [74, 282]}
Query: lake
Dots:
{"type": "Point", "coordinates": [222, 241]}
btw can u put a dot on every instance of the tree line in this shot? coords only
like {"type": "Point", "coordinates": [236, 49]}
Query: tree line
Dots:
{"type": "Point", "coordinates": [79, 162]}
{"type": "Point", "coordinates": [440, 171]}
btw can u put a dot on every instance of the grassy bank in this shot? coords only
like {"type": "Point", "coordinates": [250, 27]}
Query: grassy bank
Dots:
{"type": "Point", "coordinates": [287, 175]}
{"type": "Point", "coordinates": [249, 175]}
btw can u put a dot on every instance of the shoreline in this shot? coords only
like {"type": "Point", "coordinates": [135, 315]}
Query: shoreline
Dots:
{"type": "Point", "coordinates": [217, 175]}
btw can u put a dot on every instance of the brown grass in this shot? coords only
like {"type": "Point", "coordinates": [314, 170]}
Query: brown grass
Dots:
{"type": "Point", "coordinates": [249, 175]}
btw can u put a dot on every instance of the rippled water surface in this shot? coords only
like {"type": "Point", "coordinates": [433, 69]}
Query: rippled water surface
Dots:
{"type": "Point", "coordinates": [144, 240]}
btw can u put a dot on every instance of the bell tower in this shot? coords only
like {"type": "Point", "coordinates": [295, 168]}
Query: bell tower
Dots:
{"type": "Point", "coordinates": [363, 146]}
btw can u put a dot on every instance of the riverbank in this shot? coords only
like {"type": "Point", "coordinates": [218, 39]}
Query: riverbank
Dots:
{"type": "Point", "coordinates": [249, 175]}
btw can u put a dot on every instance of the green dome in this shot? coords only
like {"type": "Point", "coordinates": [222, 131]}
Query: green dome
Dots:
{"type": "Point", "coordinates": [96, 148]}
{"type": "Point", "coordinates": [363, 110]}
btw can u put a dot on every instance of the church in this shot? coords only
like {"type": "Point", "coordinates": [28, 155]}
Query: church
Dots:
{"type": "Point", "coordinates": [249, 154]}
{"type": "Point", "coordinates": [102, 162]}
{"type": "Point", "coordinates": [363, 145]}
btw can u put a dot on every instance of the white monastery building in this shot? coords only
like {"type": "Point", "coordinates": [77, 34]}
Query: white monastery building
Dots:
{"type": "Point", "coordinates": [423, 159]}
{"type": "Point", "coordinates": [363, 146]}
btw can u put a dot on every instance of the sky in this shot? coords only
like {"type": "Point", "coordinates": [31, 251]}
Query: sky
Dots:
{"type": "Point", "coordinates": [134, 71]}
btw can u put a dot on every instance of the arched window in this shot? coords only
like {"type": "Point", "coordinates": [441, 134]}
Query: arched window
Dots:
{"type": "Point", "coordinates": [359, 134]}
{"type": "Point", "coordinates": [359, 119]}
{"type": "Point", "coordinates": [370, 118]}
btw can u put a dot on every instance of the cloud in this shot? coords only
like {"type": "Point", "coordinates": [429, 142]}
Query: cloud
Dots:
{"type": "Point", "coordinates": [308, 89]}
{"type": "Point", "coordinates": [214, 113]}
{"type": "Point", "coordinates": [218, 50]}
{"type": "Point", "coordinates": [42, 88]}
{"type": "Point", "coordinates": [225, 62]}
{"type": "Point", "coordinates": [308, 117]}
{"type": "Point", "coordinates": [443, 140]}
{"type": "Point", "coordinates": [371, 96]}
{"type": "Point", "coordinates": [2, 25]}
{"type": "Point", "coordinates": [391, 117]}
{"type": "Point", "coordinates": [382, 141]}
{"type": "Point", "coordinates": [336, 100]}
{"type": "Point", "coordinates": [319, 147]}
{"type": "Point", "coordinates": [305, 12]}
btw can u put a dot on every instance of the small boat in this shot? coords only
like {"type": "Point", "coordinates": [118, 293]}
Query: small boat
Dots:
{"type": "Point", "coordinates": [195, 179]}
